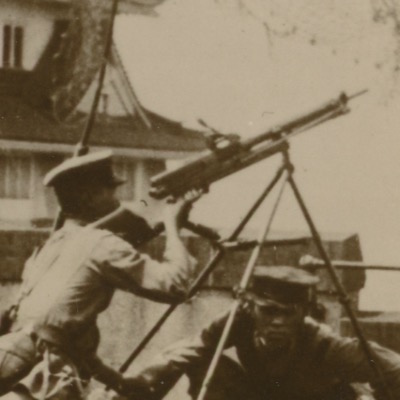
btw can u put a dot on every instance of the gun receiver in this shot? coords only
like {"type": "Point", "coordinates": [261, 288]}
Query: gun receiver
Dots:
{"type": "Point", "coordinates": [229, 154]}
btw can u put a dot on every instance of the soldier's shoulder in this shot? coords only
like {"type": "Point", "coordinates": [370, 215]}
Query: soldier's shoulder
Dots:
{"type": "Point", "coordinates": [102, 236]}
{"type": "Point", "coordinates": [110, 246]}
{"type": "Point", "coordinates": [110, 239]}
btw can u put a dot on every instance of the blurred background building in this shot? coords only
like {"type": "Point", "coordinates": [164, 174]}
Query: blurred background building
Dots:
{"type": "Point", "coordinates": [43, 110]}
{"type": "Point", "coordinates": [48, 68]}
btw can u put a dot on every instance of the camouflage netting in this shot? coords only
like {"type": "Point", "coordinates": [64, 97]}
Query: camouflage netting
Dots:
{"type": "Point", "coordinates": [367, 31]}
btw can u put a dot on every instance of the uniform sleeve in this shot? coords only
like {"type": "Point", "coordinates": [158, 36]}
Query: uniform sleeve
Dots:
{"type": "Point", "coordinates": [162, 373]}
{"type": "Point", "coordinates": [125, 268]}
{"type": "Point", "coordinates": [345, 358]}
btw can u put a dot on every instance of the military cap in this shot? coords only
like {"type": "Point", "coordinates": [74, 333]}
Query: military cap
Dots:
{"type": "Point", "coordinates": [90, 168]}
{"type": "Point", "coordinates": [283, 284]}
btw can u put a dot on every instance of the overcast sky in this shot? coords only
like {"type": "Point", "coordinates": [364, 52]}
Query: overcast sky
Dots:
{"type": "Point", "coordinates": [206, 59]}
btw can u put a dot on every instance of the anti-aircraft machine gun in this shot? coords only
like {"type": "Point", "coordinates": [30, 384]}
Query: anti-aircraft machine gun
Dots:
{"type": "Point", "coordinates": [227, 154]}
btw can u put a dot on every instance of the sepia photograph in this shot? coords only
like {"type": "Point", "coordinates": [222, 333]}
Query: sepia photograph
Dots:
{"type": "Point", "coordinates": [199, 199]}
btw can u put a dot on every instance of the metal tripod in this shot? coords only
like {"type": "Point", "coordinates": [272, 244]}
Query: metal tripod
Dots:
{"type": "Point", "coordinates": [287, 170]}
{"type": "Point", "coordinates": [284, 174]}
{"type": "Point", "coordinates": [207, 270]}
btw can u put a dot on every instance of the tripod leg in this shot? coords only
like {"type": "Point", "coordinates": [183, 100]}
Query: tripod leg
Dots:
{"type": "Point", "coordinates": [212, 264]}
{"type": "Point", "coordinates": [343, 298]}
{"type": "Point", "coordinates": [236, 304]}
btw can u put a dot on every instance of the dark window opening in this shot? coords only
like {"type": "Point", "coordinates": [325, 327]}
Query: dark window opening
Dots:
{"type": "Point", "coordinates": [13, 46]}
{"type": "Point", "coordinates": [18, 46]}
{"type": "Point", "coordinates": [6, 46]}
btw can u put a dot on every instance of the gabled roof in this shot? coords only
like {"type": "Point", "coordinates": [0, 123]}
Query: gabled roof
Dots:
{"type": "Point", "coordinates": [23, 123]}
{"type": "Point", "coordinates": [34, 105]}
{"type": "Point", "coordinates": [74, 52]}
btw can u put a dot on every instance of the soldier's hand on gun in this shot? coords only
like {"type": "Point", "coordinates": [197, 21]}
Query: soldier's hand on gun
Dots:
{"type": "Point", "coordinates": [308, 259]}
{"type": "Point", "coordinates": [177, 210]}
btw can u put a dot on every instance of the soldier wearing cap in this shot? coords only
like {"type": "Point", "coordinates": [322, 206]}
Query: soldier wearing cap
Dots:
{"type": "Point", "coordinates": [280, 352]}
{"type": "Point", "coordinates": [51, 347]}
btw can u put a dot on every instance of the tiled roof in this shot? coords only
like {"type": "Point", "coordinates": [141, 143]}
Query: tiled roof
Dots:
{"type": "Point", "coordinates": [20, 122]}
{"type": "Point", "coordinates": [124, 6]}
{"type": "Point", "coordinates": [29, 112]}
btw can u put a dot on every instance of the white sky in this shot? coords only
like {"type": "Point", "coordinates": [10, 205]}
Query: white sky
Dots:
{"type": "Point", "coordinates": [205, 59]}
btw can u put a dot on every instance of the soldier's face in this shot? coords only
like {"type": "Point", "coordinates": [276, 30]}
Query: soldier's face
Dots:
{"type": "Point", "coordinates": [276, 325]}
{"type": "Point", "coordinates": [103, 200]}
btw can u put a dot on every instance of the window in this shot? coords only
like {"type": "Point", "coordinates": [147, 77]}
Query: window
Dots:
{"type": "Point", "coordinates": [13, 38]}
{"type": "Point", "coordinates": [125, 169]}
{"type": "Point", "coordinates": [18, 39]}
{"type": "Point", "coordinates": [15, 177]}
{"type": "Point", "coordinates": [6, 46]}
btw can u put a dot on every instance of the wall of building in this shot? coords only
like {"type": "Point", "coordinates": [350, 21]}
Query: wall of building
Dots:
{"type": "Point", "coordinates": [379, 327]}
{"type": "Point", "coordinates": [17, 244]}
{"type": "Point", "coordinates": [37, 24]}
{"type": "Point", "coordinates": [24, 198]}
{"type": "Point", "coordinates": [22, 195]}
{"type": "Point", "coordinates": [16, 185]}
{"type": "Point", "coordinates": [129, 318]}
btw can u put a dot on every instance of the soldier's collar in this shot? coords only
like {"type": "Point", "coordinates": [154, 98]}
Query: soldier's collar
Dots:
{"type": "Point", "coordinates": [71, 223]}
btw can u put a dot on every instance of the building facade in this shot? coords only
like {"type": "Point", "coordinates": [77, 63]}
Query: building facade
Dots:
{"type": "Point", "coordinates": [35, 68]}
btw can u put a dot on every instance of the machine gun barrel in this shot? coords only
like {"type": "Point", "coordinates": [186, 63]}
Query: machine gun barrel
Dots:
{"type": "Point", "coordinates": [234, 155]}
{"type": "Point", "coordinates": [311, 262]}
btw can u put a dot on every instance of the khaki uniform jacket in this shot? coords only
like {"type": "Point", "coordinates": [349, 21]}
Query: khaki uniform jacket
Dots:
{"type": "Point", "coordinates": [73, 278]}
{"type": "Point", "coordinates": [320, 362]}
